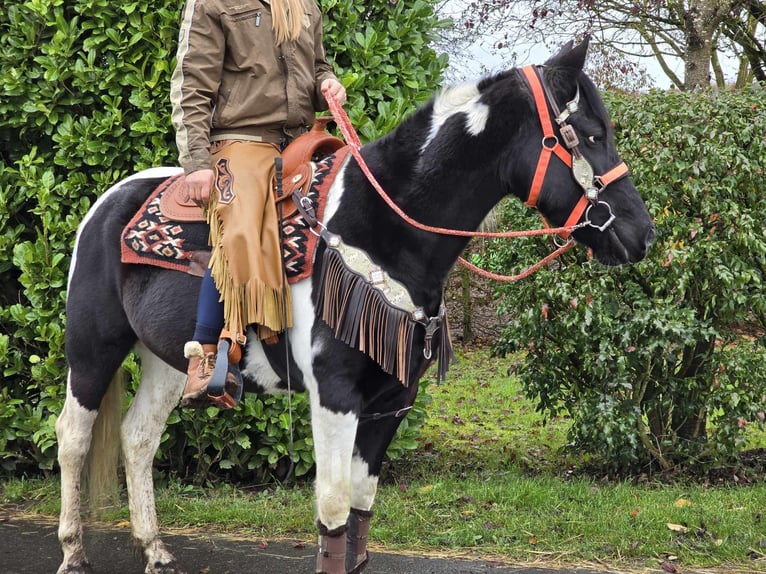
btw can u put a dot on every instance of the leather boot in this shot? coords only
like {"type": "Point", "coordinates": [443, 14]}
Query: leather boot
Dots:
{"type": "Point", "coordinates": [331, 558]}
{"type": "Point", "coordinates": [356, 540]}
{"type": "Point", "coordinates": [201, 365]}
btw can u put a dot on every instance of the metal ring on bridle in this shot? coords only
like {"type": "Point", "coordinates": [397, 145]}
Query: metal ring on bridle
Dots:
{"type": "Point", "coordinates": [608, 222]}
{"type": "Point", "coordinates": [553, 139]}
{"type": "Point", "coordinates": [559, 241]}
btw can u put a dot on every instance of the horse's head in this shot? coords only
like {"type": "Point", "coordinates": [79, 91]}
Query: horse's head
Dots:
{"type": "Point", "coordinates": [570, 169]}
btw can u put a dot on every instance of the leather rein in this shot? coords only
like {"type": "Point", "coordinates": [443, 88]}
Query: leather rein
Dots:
{"type": "Point", "coordinates": [582, 171]}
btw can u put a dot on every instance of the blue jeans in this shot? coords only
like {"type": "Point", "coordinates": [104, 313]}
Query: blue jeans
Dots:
{"type": "Point", "coordinates": [209, 312]}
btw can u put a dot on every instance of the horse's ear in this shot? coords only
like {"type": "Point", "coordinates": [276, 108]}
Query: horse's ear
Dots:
{"type": "Point", "coordinates": [570, 56]}
{"type": "Point", "coordinates": [566, 48]}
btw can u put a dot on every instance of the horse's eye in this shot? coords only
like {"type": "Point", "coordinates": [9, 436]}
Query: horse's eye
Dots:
{"type": "Point", "coordinates": [592, 139]}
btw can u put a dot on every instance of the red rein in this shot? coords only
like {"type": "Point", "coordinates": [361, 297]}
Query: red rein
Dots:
{"type": "Point", "coordinates": [349, 134]}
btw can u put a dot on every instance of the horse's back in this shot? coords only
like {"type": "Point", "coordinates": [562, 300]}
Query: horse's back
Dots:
{"type": "Point", "coordinates": [98, 236]}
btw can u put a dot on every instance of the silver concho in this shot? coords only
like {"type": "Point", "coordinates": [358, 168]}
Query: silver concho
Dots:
{"type": "Point", "coordinates": [583, 172]}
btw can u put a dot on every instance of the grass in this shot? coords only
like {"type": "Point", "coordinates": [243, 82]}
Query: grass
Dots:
{"type": "Point", "coordinates": [490, 480]}
{"type": "Point", "coordinates": [543, 518]}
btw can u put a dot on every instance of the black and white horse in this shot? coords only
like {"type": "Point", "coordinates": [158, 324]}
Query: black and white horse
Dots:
{"type": "Point", "coordinates": [447, 165]}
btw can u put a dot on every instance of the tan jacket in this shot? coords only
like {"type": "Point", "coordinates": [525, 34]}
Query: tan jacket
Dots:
{"type": "Point", "coordinates": [231, 81]}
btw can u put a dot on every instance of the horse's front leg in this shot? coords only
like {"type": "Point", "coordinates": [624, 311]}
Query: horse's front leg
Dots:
{"type": "Point", "coordinates": [364, 486]}
{"type": "Point", "coordinates": [334, 434]}
{"type": "Point", "coordinates": [374, 434]}
{"type": "Point", "coordinates": [158, 394]}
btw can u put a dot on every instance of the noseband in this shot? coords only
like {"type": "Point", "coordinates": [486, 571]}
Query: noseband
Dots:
{"type": "Point", "coordinates": [582, 171]}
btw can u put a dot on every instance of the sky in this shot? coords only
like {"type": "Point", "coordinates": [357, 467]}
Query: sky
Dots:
{"type": "Point", "coordinates": [480, 60]}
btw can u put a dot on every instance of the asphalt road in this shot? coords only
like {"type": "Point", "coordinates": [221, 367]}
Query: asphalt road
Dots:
{"type": "Point", "coordinates": [31, 547]}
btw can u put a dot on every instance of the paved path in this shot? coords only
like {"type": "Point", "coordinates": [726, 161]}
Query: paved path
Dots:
{"type": "Point", "coordinates": [31, 547]}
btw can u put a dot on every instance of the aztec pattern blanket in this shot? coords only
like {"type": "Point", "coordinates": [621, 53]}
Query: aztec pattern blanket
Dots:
{"type": "Point", "coordinates": [153, 238]}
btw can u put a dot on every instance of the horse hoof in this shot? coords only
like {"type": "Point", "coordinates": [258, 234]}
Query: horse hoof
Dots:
{"type": "Point", "coordinates": [361, 566]}
{"type": "Point", "coordinates": [169, 568]}
{"type": "Point", "coordinates": [83, 568]}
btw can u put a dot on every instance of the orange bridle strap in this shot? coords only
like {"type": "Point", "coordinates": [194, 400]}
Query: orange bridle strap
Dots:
{"type": "Point", "coordinates": [618, 171]}
{"type": "Point", "coordinates": [551, 145]}
{"type": "Point", "coordinates": [548, 136]}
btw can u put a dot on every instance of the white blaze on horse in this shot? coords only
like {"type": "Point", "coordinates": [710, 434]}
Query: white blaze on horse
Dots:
{"type": "Point", "coordinates": [445, 166]}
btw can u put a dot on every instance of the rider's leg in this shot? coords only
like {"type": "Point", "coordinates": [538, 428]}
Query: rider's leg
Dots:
{"type": "Point", "coordinates": [201, 351]}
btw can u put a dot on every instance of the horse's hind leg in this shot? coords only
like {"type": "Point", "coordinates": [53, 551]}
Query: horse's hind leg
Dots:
{"type": "Point", "coordinates": [157, 395]}
{"type": "Point", "coordinates": [86, 387]}
{"type": "Point", "coordinates": [73, 431]}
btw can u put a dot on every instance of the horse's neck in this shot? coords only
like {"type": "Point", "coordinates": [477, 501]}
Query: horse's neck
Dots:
{"type": "Point", "coordinates": [420, 259]}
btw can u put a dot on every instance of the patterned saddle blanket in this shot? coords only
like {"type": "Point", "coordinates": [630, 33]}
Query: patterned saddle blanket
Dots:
{"type": "Point", "coordinates": [177, 238]}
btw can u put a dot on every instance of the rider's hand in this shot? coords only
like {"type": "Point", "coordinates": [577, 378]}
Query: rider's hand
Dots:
{"type": "Point", "coordinates": [334, 88]}
{"type": "Point", "coordinates": [199, 185]}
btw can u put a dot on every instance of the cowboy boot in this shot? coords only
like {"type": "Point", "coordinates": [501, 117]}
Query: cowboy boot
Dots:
{"type": "Point", "coordinates": [356, 540]}
{"type": "Point", "coordinates": [201, 365]}
{"type": "Point", "coordinates": [331, 558]}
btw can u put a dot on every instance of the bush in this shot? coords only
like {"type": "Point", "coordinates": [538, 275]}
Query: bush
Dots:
{"type": "Point", "coordinates": [651, 361]}
{"type": "Point", "coordinates": [84, 102]}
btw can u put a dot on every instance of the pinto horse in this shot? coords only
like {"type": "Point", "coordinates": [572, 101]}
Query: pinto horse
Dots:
{"type": "Point", "coordinates": [446, 165]}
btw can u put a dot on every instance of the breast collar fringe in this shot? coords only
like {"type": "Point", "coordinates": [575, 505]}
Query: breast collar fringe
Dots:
{"type": "Point", "coordinates": [372, 312]}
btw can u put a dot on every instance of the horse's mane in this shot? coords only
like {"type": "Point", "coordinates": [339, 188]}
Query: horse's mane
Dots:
{"type": "Point", "coordinates": [443, 130]}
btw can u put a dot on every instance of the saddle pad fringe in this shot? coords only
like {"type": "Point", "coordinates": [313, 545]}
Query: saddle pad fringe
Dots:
{"type": "Point", "coordinates": [361, 317]}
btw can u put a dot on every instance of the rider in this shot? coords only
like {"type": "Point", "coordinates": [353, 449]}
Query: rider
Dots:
{"type": "Point", "coordinates": [249, 78]}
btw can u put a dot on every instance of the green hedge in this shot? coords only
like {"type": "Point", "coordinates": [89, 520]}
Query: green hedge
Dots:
{"type": "Point", "coordinates": [660, 364]}
{"type": "Point", "coordinates": [84, 102]}
{"type": "Point", "coordinates": [649, 360]}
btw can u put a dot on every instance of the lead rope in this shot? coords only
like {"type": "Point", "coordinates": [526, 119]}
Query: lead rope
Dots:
{"type": "Point", "coordinates": [352, 139]}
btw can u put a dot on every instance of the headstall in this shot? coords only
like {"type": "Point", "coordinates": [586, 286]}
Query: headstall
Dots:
{"type": "Point", "coordinates": [582, 170]}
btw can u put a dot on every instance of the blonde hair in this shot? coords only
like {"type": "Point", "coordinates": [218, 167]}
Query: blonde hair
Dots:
{"type": "Point", "coordinates": [287, 19]}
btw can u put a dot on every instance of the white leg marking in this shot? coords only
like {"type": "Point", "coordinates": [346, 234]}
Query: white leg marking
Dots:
{"type": "Point", "coordinates": [160, 389]}
{"type": "Point", "coordinates": [73, 431]}
{"type": "Point", "coordinates": [334, 436]}
{"type": "Point", "coordinates": [333, 433]}
{"type": "Point", "coordinates": [462, 99]}
{"type": "Point", "coordinates": [363, 486]}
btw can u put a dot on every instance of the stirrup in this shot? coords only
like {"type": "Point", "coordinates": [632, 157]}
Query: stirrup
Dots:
{"type": "Point", "coordinates": [216, 387]}
{"type": "Point", "coordinates": [236, 343]}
